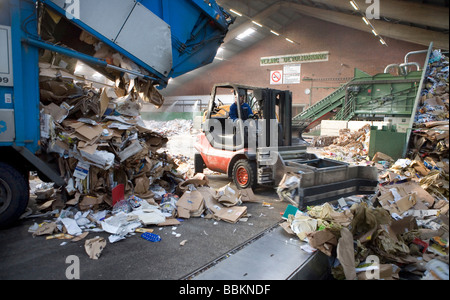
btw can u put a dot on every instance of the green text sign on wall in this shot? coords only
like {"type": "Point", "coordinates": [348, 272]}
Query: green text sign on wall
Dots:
{"type": "Point", "coordinates": [295, 58]}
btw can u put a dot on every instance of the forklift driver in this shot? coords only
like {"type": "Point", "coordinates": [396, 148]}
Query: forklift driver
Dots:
{"type": "Point", "coordinates": [245, 108]}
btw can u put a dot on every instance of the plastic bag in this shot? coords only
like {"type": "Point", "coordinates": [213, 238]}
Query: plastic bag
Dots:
{"type": "Point", "coordinates": [169, 204]}
{"type": "Point", "coordinates": [135, 202]}
{"type": "Point", "coordinates": [121, 206]}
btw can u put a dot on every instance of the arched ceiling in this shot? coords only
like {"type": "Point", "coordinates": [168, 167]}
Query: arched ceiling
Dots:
{"type": "Point", "coordinates": [414, 21]}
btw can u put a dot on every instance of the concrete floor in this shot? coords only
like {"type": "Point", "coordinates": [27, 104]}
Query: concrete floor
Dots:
{"type": "Point", "coordinates": [25, 257]}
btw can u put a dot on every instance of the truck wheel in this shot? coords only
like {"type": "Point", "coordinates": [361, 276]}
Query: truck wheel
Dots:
{"type": "Point", "coordinates": [198, 163]}
{"type": "Point", "coordinates": [244, 174]}
{"type": "Point", "coordinates": [14, 194]}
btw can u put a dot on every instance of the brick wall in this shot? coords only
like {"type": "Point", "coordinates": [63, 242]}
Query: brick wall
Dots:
{"type": "Point", "coordinates": [348, 48]}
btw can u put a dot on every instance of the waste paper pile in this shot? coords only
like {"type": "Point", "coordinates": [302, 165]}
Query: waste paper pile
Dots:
{"type": "Point", "coordinates": [133, 215]}
{"type": "Point", "coordinates": [93, 133]}
{"type": "Point", "coordinates": [99, 141]}
{"type": "Point", "coordinates": [435, 94]}
{"type": "Point", "coordinates": [402, 231]}
{"type": "Point", "coordinates": [349, 146]}
{"type": "Point", "coordinates": [394, 233]}
{"type": "Point", "coordinates": [429, 144]}
{"type": "Point", "coordinates": [117, 178]}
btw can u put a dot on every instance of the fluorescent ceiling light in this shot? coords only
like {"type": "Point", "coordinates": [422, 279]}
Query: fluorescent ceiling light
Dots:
{"type": "Point", "coordinates": [276, 33]}
{"type": "Point", "coordinates": [235, 12]}
{"type": "Point", "coordinates": [365, 20]}
{"type": "Point", "coordinates": [355, 6]}
{"type": "Point", "coordinates": [374, 33]}
{"type": "Point", "coordinates": [290, 41]}
{"type": "Point", "coordinates": [257, 24]}
{"type": "Point", "coordinates": [245, 34]}
{"type": "Point", "coordinates": [382, 41]}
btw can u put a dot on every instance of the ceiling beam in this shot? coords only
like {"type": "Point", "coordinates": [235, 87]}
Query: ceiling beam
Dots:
{"type": "Point", "coordinates": [385, 29]}
{"type": "Point", "coordinates": [233, 33]}
{"type": "Point", "coordinates": [410, 12]}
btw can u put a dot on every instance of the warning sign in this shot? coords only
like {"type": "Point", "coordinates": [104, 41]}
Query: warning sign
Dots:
{"type": "Point", "coordinates": [276, 77]}
{"type": "Point", "coordinates": [292, 74]}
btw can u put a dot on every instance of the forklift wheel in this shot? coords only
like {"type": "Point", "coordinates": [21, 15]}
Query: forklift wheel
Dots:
{"type": "Point", "coordinates": [198, 163]}
{"type": "Point", "coordinates": [244, 174]}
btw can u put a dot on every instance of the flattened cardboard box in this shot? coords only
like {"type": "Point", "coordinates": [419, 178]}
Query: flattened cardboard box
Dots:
{"type": "Point", "coordinates": [231, 214]}
{"type": "Point", "coordinates": [228, 214]}
{"type": "Point", "coordinates": [90, 132]}
{"type": "Point", "coordinates": [227, 196]}
{"type": "Point", "coordinates": [190, 204]}
{"type": "Point", "coordinates": [198, 180]}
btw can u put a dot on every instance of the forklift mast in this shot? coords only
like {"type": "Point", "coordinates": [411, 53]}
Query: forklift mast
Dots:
{"type": "Point", "coordinates": [277, 105]}
{"type": "Point", "coordinates": [268, 105]}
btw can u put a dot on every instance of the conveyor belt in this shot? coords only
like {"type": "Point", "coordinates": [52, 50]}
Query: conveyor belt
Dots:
{"type": "Point", "coordinates": [272, 255]}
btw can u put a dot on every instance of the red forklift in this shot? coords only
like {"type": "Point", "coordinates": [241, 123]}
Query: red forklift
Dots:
{"type": "Point", "coordinates": [262, 150]}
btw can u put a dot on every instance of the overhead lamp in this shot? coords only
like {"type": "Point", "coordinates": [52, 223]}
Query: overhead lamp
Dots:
{"type": "Point", "coordinates": [276, 33]}
{"type": "Point", "coordinates": [235, 12]}
{"type": "Point", "coordinates": [290, 41]}
{"type": "Point", "coordinates": [245, 34]}
{"type": "Point", "coordinates": [355, 6]}
{"type": "Point", "coordinates": [256, 23]}
{"type": "Point", "coordinates": [366, 21]}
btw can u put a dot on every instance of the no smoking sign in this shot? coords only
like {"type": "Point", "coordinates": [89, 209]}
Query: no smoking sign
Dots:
{"type": "Point", "coordinates": [276, 77]}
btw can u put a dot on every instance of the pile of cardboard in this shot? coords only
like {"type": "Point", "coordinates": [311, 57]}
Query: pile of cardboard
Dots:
{"type": "Point", "coordinates": [109, 159]}
{"type": "Point", "coordinates": [434, 104]}
{"type": "Point", "coordinates": [350, 146]}
{"type": "Point", "coordinates": [92, 130]}
{"type": "Point", "coordinates": [99, 140]}
{"type": "Point", "coordinates": [74, 222]}
{"type": "Point", "coordinates": [402, 231]}
{"type": "Point", "coordinates": [432, 177]}
{"type": "Point", "coordinates": [95, 135]}
{"type": "Point", "coordinates": [222, 204]}
{"type": "Point", "coordinates": [427, 162]}
{"type": "Point", "coordinates": [365, 236]}
{"type": "Point", "coordinates": [429, 145]}
{"type": "Point", "coordinates": [431, 139]}
{"type": "Point", "coordinates": [322, 141]}
{"type": "Point", "coordinates": [353, 139]}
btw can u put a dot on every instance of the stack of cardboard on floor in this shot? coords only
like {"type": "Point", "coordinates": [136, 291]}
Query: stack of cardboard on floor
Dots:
{"type": "Point", "coordinates": [222, 204]}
